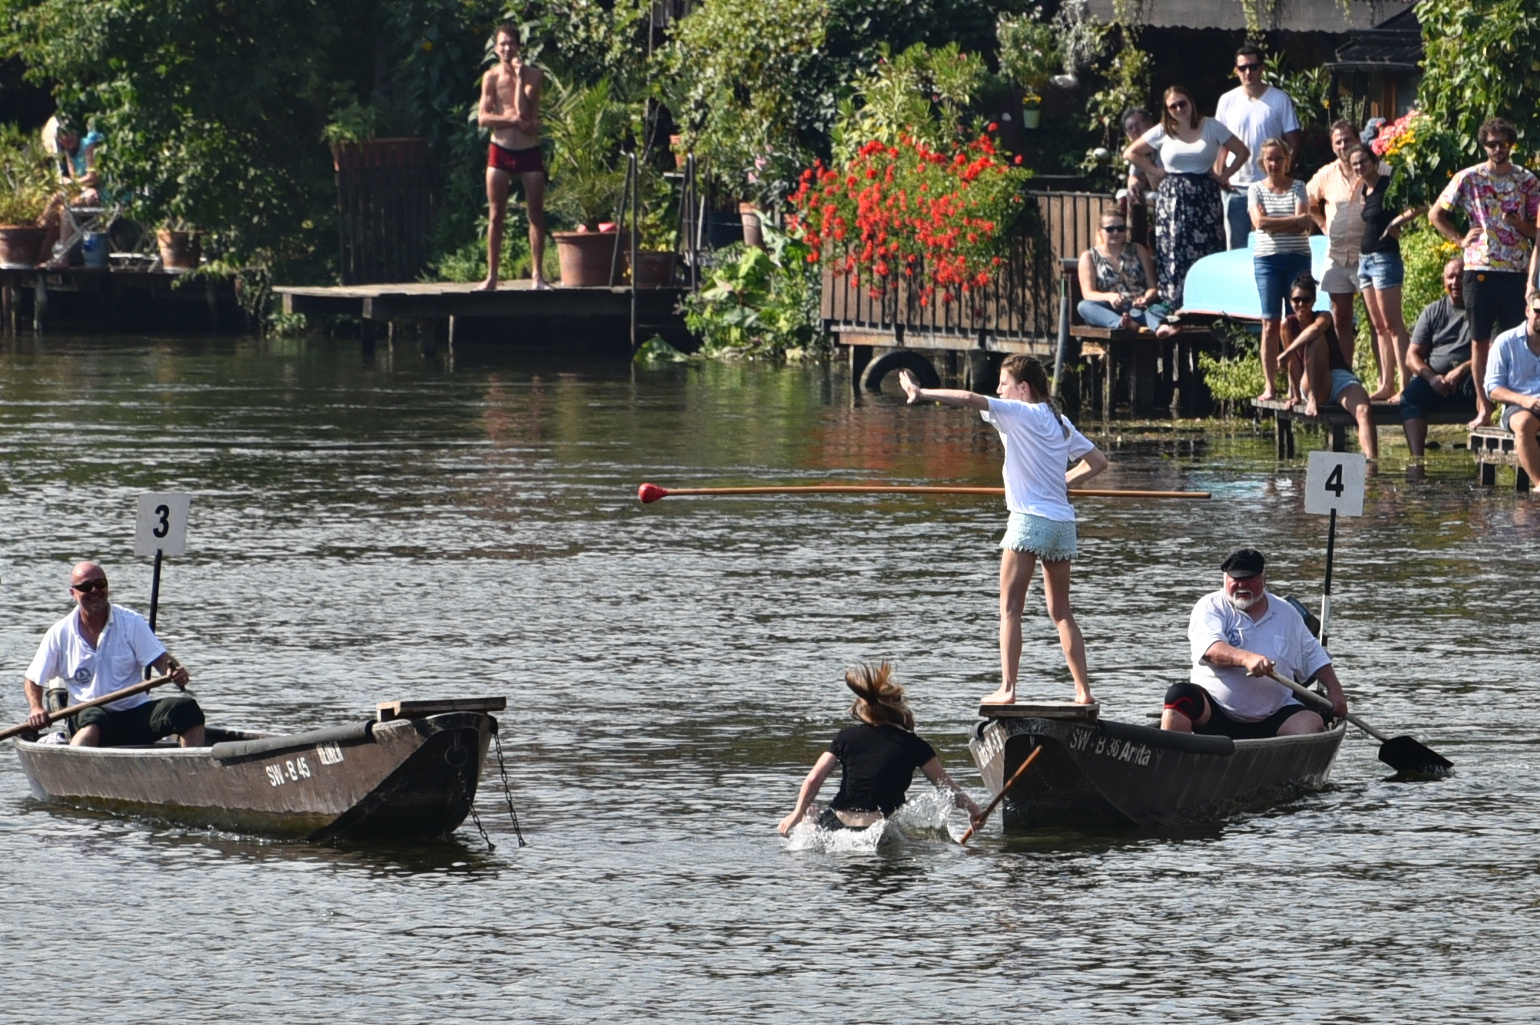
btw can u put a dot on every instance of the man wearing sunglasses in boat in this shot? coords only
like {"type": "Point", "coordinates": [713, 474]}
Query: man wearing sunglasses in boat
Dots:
{"type": "Point", "coordinates": [1239, 634]}
{"type": "Point", "coordinates": [99, 648]}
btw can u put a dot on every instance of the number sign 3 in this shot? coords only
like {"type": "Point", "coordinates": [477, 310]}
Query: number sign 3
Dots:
{"type": "Point", "coordinates": [162, 524]}
{"type": "Point", "coordinates": [1335, 481]}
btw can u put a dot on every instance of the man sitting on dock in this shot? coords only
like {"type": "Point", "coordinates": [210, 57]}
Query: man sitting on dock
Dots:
{"type": "Point", "coordinates": [510, 106]}
{"type": "Point", "coordinates": [100, 648]}
{"type": "Point", "coordinates": [1239, 634]}
{"type": "Point", "coordinates": [1513, 378]}
{"type": "Point", "coordinates": [1440, 361]}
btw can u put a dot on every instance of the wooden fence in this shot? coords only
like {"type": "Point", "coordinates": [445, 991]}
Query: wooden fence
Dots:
{"type": "Point", "coordinates": [1020, 303]}
{"type": "Point", "coordinates": [384, 207]}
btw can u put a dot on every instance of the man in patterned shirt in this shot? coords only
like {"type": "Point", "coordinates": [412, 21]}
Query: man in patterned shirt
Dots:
{"type": "Point", "coordinates": [1500, 201]}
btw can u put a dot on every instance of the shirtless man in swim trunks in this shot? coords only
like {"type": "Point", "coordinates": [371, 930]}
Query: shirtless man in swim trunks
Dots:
{"type": "Point", "coordinates": [510, 106]}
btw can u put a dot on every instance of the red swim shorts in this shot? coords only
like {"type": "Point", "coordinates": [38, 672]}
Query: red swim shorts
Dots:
{"type": "Point", "coordinates": [515, 161]}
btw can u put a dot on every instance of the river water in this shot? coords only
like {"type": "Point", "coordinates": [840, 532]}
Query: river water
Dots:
{"type": "Point", "coordinates": [368, 527]}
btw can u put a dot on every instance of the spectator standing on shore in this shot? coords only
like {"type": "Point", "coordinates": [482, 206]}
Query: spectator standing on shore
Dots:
{"type": "Point", "coordinates": [1381, 272]}
{"type": "Point", "coordinates": [1189, 177]}
{"type": "Point", "coordinates": [1253, 112]}
{"type": "Point", "coordinates": [1337, 210]}
{"type": "Point", "coordinates": [1137, 190]}
{"type": "Point", "coordinates": [1281, 215]}
{"type": "Point", "coordinates": [1439, 357]}
{"type": "Point", "coordinates": [1500, 200]}
{"type": "Point", "coordinates": [510, 107]}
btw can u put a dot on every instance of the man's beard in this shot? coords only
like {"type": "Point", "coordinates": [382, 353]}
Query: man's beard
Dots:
{"type": "Point", "coordinates": [1242, 604]}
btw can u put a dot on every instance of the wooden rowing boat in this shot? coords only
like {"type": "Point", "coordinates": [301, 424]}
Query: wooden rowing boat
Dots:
{"type": "Point", "coordinates": [410, 773]}
{"type": "Point", "coordinates": [1100, 774]}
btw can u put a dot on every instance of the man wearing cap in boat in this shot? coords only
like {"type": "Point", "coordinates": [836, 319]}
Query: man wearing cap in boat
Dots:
{"type": "Point", "coordinates": [1239, 634]}
{"type": "Point", "coordinates": [97, 649]}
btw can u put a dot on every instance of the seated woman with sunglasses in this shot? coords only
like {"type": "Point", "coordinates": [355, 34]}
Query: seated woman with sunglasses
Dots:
{"type": "Point", "coordinates": [1189, 217]}
{"type": "Point", "coordinates": [1117, 280]}
{"type": "Point", "coordinates": [1310, 345]}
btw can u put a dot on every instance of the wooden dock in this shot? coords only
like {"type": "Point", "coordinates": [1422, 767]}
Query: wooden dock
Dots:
{"type": "Point", "coordinates": [1494, 447]}
{"type": "Point", "coordinates": [1336, 422]}
{"type": "Point", "coordinates": [449, 308]}
{"type": "Point", "coordinates": [117, 296]}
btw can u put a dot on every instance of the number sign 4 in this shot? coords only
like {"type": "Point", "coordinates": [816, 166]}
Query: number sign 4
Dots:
{"type": "Point", "coordinates": [1335, 481]}
{"type": "Point", "coordinates": [162, 524]}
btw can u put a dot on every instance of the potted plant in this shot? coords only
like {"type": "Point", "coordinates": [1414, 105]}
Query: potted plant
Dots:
{"type": "Point", "coordinates": [1029, 56]}
{"type": "Point", "coordinates": [659, 238]}
{"type": "Point", "coordinates": [28, 180]}
{"type": "Point", "coordinates": [585, 124]}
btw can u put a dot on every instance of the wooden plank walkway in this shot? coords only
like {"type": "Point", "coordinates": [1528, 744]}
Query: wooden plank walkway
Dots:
{"type": "Point", "coordinates": [1336, 422]}
{"type": "Point", "coordinates": [1494, 447]}
{"type": "Point", "coordinates": [107, 288]}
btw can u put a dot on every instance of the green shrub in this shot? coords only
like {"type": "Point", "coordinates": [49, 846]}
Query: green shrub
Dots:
{"type": "Point", "coordinates": [1238, 377]}
{"type": "Point", "coordinates": [760, 303]}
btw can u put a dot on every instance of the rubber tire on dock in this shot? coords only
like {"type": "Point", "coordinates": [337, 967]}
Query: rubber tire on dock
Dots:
{"type": "Point", "coordinates": [899, 359]}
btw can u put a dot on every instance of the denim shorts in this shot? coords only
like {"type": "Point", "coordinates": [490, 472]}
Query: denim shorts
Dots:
{"type": "Point", "coordinates": [1341, 380]}
{"type": "Point", "coordinates": [1049, 540]}
{"type": "Point", "coordinates": [1275, 273]}
{"type": "Point", "coordinates": [1381, 270]}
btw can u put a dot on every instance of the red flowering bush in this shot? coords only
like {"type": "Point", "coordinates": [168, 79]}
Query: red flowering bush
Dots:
{"type": "Point", "coordinates": [943, 220]}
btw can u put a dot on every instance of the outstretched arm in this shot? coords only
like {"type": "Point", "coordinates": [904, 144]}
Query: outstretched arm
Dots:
{"type": "Point", "coordinates": [945, 396]}
{"type": "Point", "coordinates": [809, 791]}
{"type": "Point", "coordinates": [1093, 463]}
{"type": "Point", "coordinates": [937, 775]}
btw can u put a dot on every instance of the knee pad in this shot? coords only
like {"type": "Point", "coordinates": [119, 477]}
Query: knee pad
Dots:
{"type": "Point", "coordinates": [1187, 698]}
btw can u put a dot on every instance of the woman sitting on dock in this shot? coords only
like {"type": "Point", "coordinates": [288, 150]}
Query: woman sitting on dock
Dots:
{"type": "Point", "coordinates": [877, 759]}
{"type": "Point", "coordinates": [1117, 280]}
{"type": "Point", "coordinates": [1039, 444]}
{"type": "Point", "coordinates": [1310, 340]}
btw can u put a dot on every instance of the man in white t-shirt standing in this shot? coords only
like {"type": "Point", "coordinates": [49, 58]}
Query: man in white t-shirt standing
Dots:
{"type": "Point", "coordinates": [1255, 112]}
{"type": "Point", "coordinates": [97, 649]}
{"type": "Point", "coordinates": [1239, 634]}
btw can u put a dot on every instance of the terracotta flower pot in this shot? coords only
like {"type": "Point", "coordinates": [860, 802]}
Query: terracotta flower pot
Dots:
{"type": "Point", "coordinates": [752, 235]}
{"type": "Point", "coordinates": [586, 256]}
{"type": "Point", "coordinates": [21, 246]}
{"type": "Point", "coordinates": [179, 250]}
{"type": "Point", "coordinates": [654, 268]}
{"type": "Point", "coordinates": [676, 143]}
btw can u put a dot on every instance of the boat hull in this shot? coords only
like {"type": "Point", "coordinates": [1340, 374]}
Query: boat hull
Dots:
{"type": "Point", "coordinates": [1110, 775]}
{"type": "Point", "coordinates": [402, 779]}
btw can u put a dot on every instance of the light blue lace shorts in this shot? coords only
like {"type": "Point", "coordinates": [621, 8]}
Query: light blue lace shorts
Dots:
{"type": "Point", "coordinates": [1049, 540]}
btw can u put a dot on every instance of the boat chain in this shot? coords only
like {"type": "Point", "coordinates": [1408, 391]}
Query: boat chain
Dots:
{"type": "Point", "coordinates": [502, 771]}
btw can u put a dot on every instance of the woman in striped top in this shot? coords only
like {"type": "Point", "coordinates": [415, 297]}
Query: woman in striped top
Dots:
{"type": "Point", "coordinates": [1280, 213]}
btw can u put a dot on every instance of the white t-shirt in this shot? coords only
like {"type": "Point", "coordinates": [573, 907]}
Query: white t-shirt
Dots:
{"type": "Point", "coordinates": [1178, 157]}
{"type": "Point", "coordinates": [1254, 122]}
{"type": "Point", "coordinates": [1280, 634]}
{"type": "Point", "coordinates": [124, 648]}
{"type": "Point", "coordinates": [1037, 453]}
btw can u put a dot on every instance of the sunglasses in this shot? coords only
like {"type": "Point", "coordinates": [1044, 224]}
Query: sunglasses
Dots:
{"type": "Point", "coordinates": [1247, 67]}
{"type": "Point", "coordinates": [1114, 227]}
{"type": "Point", "coordinates": [1175, 105]}
{"type": "Point", "coordinates": [90, 585]}
{"type": "Point", "coordinates": [1495, 143]}
{"type": "Point", "coordinates": [1301, 300]}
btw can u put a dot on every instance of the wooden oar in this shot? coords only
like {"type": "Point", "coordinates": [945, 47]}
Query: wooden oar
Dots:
{"type": "Point", "coordinates": [1404, 754]}
{"type": "Point", "coordinates": [117, 695]}
{"type": "Point", "coordinates": [650, 493]}
{"type": "Point", "coordinates": [1001, 795]}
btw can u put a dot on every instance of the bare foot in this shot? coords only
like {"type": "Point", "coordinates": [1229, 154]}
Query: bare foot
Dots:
{"type": "Point", "coordinates": [1381, 393]}
{"type": "Point", "coordinates": [489, 285]}
{"type": "Point", "coordinates": [999, 697]}
{"type": "Point", "coordinates": [1268, 395]}
{"type": "Point", "coordinates": [1483, 417]}
{"type": "Point", "coordinates": [540, 285]}
{"type": "Point", "coordinates": [1083, 696]}
{"type": "Point", "coordinates": [1394, 400]}
{"type": "Point", "coordinates": [1416, 472]}
{"type": "Point", "coordinates": [1126, 324]}
{"type": "Point", "coordinates": [1311, 409]}
{"type": "Point", "coordinates": [1166, 331]}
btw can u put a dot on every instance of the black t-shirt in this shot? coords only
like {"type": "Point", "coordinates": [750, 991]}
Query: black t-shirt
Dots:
{"type": "Point", "coordinates": [878, 764]}
{"type": "Point", "coordinates": [1334, 360]}
{"type": "Point", "coordinates": [1377, 219]}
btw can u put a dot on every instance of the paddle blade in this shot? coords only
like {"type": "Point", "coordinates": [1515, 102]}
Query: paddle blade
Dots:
{"type": "Point", "coordinates": [1407, 755]}
{"type": "Point", "coordinates": [650, 493]}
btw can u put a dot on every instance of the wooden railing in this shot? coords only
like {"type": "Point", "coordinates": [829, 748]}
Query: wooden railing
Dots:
{"type": "Point", "coordinates": [1020, 302]}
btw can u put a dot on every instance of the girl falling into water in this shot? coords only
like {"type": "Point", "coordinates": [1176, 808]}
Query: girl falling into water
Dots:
{"type": "Point", "coordinates": [877, 758]}
{"type": "Point", "coordinates": [1039, 444]}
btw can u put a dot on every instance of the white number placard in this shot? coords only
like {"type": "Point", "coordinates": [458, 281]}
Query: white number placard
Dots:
{"type": "Point", "coordinates": [1335, 480]}
{"type": "Point", "coordinates": [162, 524]}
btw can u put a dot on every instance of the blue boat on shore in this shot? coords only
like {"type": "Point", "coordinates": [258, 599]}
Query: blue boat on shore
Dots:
{"type": "Point", "coordinates": [1225, 285]}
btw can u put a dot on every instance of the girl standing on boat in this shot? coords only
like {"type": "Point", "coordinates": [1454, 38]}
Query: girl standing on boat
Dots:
{"type": "Point", "coordinates": [1039, 444]}
{"type": "Point", "coordinates": [877, 759]}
